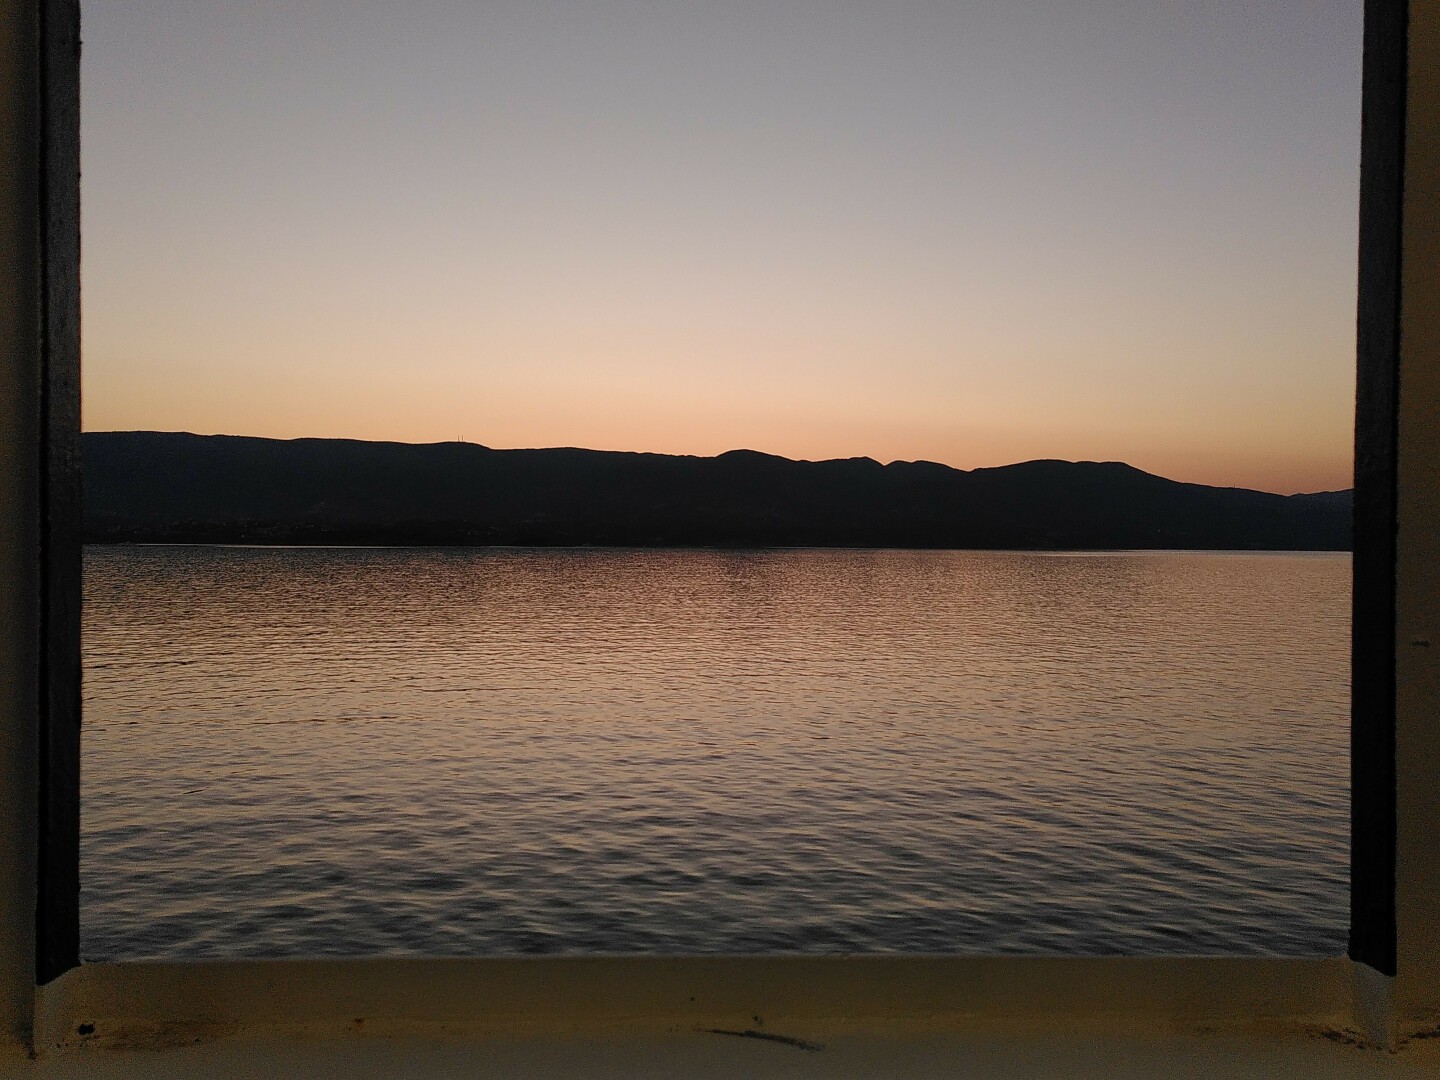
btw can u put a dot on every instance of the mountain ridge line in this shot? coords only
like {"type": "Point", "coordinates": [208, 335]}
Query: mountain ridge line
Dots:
{"type": "Point", "coordinates": [144, 486]}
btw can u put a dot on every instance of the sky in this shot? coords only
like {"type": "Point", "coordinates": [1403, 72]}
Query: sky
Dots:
{"type": "Point", "coordinates": [967, 232]}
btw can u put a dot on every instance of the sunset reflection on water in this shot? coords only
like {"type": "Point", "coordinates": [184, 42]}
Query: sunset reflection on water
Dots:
{"type": "Point", "coordinates": [467, 751]}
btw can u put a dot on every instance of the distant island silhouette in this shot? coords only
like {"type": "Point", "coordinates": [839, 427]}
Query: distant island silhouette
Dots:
{"type": "Point", "coordinates": [170, 487]}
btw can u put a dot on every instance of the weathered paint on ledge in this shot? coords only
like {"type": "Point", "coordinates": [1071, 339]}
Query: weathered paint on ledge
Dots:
{"type": "Point", "coordinates": [1138, 1056]}
{"type": "Point", "coordinates": [805, 998]}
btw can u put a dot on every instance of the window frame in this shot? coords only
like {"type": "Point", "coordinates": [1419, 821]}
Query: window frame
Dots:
{"type": "Point", "coordinates": [887, 990]}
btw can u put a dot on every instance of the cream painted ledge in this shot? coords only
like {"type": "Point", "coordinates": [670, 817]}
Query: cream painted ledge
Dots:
{"type": "Point", "coordinates": [698, 1056]}
{"type": "Point", "coordinates": [800, 999]}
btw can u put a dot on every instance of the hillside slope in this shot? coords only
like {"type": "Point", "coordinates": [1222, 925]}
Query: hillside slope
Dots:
{"type": "Point", "coordinates": [175, 487]}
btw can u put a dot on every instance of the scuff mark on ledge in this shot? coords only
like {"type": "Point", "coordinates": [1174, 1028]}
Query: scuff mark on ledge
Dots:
{"type": "Point", "coordinates": [751, 1033]}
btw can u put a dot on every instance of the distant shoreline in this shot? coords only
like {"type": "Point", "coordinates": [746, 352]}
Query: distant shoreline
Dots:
{"type": "Point", "coordinates": [167, 487]}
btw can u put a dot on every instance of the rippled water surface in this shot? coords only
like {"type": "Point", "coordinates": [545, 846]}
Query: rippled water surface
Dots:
{"type": "Point", "coordinates": [363, 751]}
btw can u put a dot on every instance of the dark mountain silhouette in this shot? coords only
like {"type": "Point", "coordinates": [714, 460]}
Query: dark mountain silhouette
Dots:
{"type": "Point", "coordinates": [174, 487]}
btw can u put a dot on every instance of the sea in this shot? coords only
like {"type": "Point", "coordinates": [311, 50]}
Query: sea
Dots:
{"type": "Point", "coordinates": [495, 751]}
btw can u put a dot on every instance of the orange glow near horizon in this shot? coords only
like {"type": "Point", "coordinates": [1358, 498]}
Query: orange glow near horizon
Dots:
{"type": "Point", "coordinates": [1287, 466]}
{"type": "Point", "coordinates": [680, 379]}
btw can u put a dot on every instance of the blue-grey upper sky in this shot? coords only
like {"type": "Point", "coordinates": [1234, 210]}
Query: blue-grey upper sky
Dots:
{"type": "Point", "coordinates": [969, 232]}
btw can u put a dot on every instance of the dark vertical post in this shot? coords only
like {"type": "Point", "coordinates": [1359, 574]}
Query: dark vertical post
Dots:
{"type": "Point", "coordinates": [57, 913]}
{"type": "Point", "coordinates": [1372, 747]}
